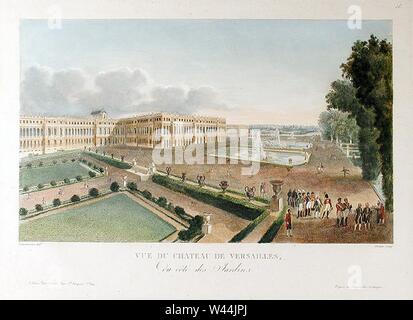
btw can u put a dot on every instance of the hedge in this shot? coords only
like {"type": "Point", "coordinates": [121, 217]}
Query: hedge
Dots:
{"type": "Point", "coordinates": [238, 207]}
{"type": "Point", "coordinates": [273, 229]}
{"type": "Point", "coordinates": [112, 162]}
{"type": "Point", "coordinates": [195, 228]}
{"type": "Point", "coordinates": [247, 230]}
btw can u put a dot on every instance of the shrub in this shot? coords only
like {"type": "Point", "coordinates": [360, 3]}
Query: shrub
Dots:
{"type": "Point", "coordinates": [66, 180]}
{"type": "Point", "coordinates": [170, 207]}
{"type": "Point", "coordinates": [112, 162]}
{"type": "Point", "coordinates": [162, 202]}
{"type": "Point", "coordinates": [23, 211]}
{"type": "Point", "coordinates": [26, 188]}
{"type": "Point", "coordinates": [114, 186]}
{"type": "Point", "coordinates": [56, 202]}
{"type": "Point", "coordinates": [53, 183]}
{"type": "Point", "coordinates": [29, 165]}
{"type": "Point", "coordinates": [132, 186]}
{"type": "Point", "coordinates": [93, 192]}
{"type": "Point", "coordinates": [75, 198]}
{"type": "Point", "coordinates": [195, 228]}
{"type": "Point", "coordinates": [40, 186]}
{"type": "Point", "coordinates": [92, 174]}
{"type": "Point", "coordinates": [73, 160]}
{"type": "Point", "coordinates": [79, 178]}
{"type": "Point", "coordinates": [182, 213]}
{"type": "Point", "coordinates": [147, 194]}
{"type": "Point", "coordinates": [239, 207]}
{"type": "Point", "coordinates": [38, 207]}
{"type": "Point", "coordinates": [40, 164]}
{"type": "Point", "coordinates": [184, 235]}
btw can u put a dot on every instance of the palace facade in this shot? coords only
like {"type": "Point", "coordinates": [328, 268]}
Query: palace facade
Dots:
{"type": "Point", "coordinates": [40, 135]}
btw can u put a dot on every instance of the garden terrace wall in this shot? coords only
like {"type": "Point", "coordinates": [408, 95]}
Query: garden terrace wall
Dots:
{"type": "Point", "coordinates": [222, 201]}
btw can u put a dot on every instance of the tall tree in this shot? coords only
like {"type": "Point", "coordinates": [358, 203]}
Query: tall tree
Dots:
{"type": "Point", "coordinates": [342, 96]}
{"type": "Point", "coordinates": [369, 68]}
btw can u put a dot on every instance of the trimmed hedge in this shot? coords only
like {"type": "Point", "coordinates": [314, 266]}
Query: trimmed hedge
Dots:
{"type": "Point", "coordinates": [272, 231]}
{"type": "Point", "coordinates": [248, 229]}
{"type": "Point", "coordinates": [23, 211]}
{"type": "Point", "coordinates": [223, 201]}
{"type": "Point", "coordinates": [112, 162]}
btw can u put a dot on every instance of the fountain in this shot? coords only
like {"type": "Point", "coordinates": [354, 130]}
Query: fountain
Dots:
{"type": "Point", "coordinates": [257, 150]}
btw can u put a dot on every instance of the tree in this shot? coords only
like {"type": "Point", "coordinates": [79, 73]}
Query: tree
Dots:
{"type": "Point", "coordinates": [93, 192]}
{"type": "Point", "coordinates": [370, 70]}
{"type": "Point", "coordinates": [56, 202]}
{"type": "Point", "coordinates": [114, 186]}
{"type": "Point", "coordinates": [338, 125]}
{"type": "Point", "coordinates": [342, 96]}
{"type": "Point", "coordinates": [75, 198]}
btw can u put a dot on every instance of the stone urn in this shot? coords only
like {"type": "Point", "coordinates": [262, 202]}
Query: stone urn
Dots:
{"type": "Point", "coordinates": [276, 200]}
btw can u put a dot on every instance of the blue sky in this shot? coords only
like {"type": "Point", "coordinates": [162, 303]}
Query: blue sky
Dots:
{"type": "Point", "coordinates": [256, 71]}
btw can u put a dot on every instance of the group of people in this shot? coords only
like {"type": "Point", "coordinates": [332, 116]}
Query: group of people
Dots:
{"type": "Point", "coordinates": [309, 204]}
{"type": "Point", "coordinates": [363, 215]}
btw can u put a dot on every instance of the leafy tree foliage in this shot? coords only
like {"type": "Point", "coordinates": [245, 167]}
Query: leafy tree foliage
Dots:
{"type": "Point", "coordinates": [370, 70]}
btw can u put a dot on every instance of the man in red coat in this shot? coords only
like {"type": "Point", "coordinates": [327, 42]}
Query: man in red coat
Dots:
{"type": "Point", "coordinates": [288, 223]}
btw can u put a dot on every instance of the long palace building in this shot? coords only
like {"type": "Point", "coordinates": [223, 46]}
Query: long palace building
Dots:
{"type": "Point", "coordinates": [49, 134]}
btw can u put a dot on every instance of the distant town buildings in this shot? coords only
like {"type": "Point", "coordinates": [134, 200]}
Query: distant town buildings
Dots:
{"type": "Point", "coordinates": [49, 134]}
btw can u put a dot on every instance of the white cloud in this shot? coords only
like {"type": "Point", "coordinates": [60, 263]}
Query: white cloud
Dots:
{"type": "Point", "coordinates": [121, 91]}
{"type": "Point", "coordinates": [182, 100]}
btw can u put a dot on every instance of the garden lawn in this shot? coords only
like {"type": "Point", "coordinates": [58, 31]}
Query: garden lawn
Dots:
{"type": "Point", "coordinates": [45, 174]}
{"type": "Point", "coordinates": [116, 218]}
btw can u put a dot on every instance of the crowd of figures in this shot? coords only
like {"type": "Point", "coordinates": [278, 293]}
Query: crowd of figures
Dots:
{"type": "Point", "coordinates": [308, 204]}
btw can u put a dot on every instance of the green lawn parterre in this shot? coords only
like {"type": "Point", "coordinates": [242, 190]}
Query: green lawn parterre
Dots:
{"type": "Point", "coordinates": [34, 176]}
{"type": "Point", "coordinates": [116, 218]}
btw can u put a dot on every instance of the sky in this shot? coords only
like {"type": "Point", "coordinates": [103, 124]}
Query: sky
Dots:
{"type": "Point", "coordinates": [248, 71]}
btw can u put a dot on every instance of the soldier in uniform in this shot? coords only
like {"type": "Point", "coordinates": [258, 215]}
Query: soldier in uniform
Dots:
{"type": "Point", "coordinates": [288, 222]}
{"type": "Point", "coordinates": [359, 217]}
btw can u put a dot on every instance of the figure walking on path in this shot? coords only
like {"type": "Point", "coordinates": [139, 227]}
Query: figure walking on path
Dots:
{"type": "Point", "coordinates": [288, 223]}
